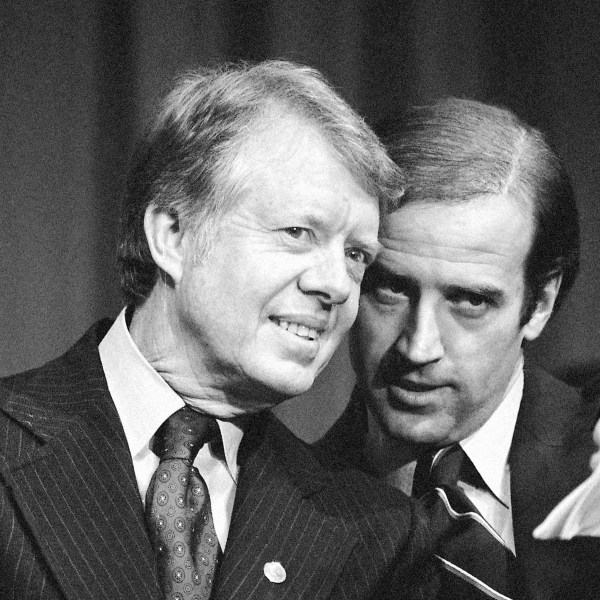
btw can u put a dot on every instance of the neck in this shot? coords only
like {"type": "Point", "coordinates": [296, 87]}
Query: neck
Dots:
{"type": "Point", "coordinates": [162, 342]}
{"type": "Point", "coordinates": [178, 356]}
{"type": "Point", "coordinates": [159, 337]}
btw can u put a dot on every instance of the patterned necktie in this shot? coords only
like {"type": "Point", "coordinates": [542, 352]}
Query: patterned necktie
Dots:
{"type": "Point", "coordinates": [476, 563]}
{"type": "Point", "coordinates": [178, 512]}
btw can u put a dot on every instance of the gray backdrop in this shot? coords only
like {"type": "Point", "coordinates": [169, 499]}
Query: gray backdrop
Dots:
{"type": "Point", "coordinates": [78, 80]}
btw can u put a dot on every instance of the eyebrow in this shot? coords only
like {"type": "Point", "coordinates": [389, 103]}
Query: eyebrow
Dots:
{"type": "Point", "coordinates": [378, 272]}
{"type": "Point", "coordinates": [315, 221]}
{"type": "Point", "coordinates": [493, 294]}
{"type": "Point", "coordinates": [377, 275]}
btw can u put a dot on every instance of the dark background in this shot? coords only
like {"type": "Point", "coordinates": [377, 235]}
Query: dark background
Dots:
{"type": "Point", "coordinates": [79, 78]}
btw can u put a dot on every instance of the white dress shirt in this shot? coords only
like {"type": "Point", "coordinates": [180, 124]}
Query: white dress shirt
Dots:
{"type": "Point", "coordinates": [488, 448]}
{"type": "Point", "coordinates": [144, 401]}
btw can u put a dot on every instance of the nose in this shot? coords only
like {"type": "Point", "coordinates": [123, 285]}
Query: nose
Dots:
{"type": "Point", "coordinates": [420, 341]}
{"type": "Point", "coordinates": [328, 278]}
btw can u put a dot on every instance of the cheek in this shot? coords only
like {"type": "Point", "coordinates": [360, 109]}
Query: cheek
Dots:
{"type": "Point", "coordinates": [484, 365]}
{"type": "Point", "coordinates": [483, 346]}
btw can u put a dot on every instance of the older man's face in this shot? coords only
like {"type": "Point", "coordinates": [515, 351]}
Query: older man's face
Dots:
{"type": "Point", "coordinates": [264, 313]}
{"type": "Point", "coordinates": [438, 334]}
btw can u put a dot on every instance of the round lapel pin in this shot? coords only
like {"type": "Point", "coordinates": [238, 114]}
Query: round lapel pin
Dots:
{"type": "Point", "coordinates": [274, 572]}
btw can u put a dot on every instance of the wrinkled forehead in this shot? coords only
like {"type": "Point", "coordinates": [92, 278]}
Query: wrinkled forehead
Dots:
{"type": "Point", "coordinates": [276, 133]}
{"type": "Point", "coordinates": [292, 170]}
{"type": "Point", "coordinates": [278, 122]}
{"type": "Point", "coordinates": [277, 144]}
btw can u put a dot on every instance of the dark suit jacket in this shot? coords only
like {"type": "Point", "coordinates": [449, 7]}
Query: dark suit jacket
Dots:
{"type": "Point", "coordinates": [72, 524]}
{"type": "Point", "coordinates": [549, 457]}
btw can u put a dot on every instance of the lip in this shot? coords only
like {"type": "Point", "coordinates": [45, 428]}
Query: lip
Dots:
{"type": "Point", "coordinates": [411, 395]}
{"type": "Point", "coordinates": [300, 332]}
{"type": "Point", "coordinates": [306, 328]}
{"type": "Point", "coordinates": [417, 386]}
{"type": "Point", "coordinates": [306, 320]}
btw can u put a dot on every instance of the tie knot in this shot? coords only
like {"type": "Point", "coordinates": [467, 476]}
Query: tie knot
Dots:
{"type": "Point", "coordinates": [443, 467]}
{"type": "Point", "coordinates": [183, 434]}
{"type": "Point", "coordinates": [447, 465]}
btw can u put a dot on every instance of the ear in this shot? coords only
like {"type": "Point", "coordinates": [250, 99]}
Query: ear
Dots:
{"type": "Point", "coordinates": [543, 310]}
{"type": "Point", "coordinates": [165, 239]}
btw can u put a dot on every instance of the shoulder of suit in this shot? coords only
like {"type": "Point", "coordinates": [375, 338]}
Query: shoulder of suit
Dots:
{"type": "Point", "coordinates": [36, 404]}
{"type": "Point", "coordinates": [540, 382]}
{"type": "Point", "coordinates": [556, 412]}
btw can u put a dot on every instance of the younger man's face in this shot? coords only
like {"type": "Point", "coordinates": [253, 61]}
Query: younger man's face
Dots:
{"type": "Point", "coordinates": [438, 335]}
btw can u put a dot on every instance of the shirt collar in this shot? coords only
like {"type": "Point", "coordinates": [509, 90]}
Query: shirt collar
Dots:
{"type": "Point", "coordinates": [489, 446]}
{"type": "Point", "coordinates": [137, 389]}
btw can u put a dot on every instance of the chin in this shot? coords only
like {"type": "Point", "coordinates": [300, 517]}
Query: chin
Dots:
{"type": "Point", "coordinates": [288, 388]}
{"type": "Point", "coordinates": [407, 429]}
{"type": "Point", "coordinates": [281, 385]}
{"type": "Point", "coordinates": [288, 378]}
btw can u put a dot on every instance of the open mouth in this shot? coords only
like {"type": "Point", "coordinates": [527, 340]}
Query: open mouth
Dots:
{"type": "Point", "coordinates": [299, 330]}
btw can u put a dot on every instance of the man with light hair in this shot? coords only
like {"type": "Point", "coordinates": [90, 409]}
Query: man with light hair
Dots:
{"type": "Point", "coordinates": [480, 254]}
{"type": "Point", "coordinates": [144, 462]}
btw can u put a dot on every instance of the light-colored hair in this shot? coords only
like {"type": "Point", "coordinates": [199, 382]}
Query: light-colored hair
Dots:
{"type": "Point", "coordinates": [457, 150]}
{"type": "Point", "coordinates": [185, 163]}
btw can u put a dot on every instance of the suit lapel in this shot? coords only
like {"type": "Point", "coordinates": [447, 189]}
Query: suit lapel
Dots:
{"type": "Point", "coordinates": [84, 514]}
{"type": "Point", "coordinates": [280, 517]}
{"type": "Point", "coordinates": [76, 490]}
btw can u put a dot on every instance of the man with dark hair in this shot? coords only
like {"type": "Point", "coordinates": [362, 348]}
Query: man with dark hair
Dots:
{"type": "Point", "coordinates": [482, 250]}
{"type": "Point", "coordinates": [144, 463]}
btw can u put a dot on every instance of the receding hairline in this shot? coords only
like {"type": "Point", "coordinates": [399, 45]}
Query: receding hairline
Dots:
{"type": "Point", "coordinates": [263, 128]}
{"type": "Point", "coordinates": [276, 114]}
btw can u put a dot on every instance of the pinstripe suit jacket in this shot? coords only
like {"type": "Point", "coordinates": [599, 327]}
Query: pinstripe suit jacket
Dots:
{"type": "Point", "coordinates": [548, 458]}
{"type": "Point", "coordinates": [72, 524]}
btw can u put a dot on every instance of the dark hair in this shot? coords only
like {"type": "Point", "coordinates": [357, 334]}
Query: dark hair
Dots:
{"type": "Point", "coordinates": [185, 163]}
{"type": "Point", "coordinates": [456, 150]}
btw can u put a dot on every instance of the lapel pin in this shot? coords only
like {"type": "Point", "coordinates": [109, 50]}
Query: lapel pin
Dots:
{"type": "Point", "coordinates": [274, 572]}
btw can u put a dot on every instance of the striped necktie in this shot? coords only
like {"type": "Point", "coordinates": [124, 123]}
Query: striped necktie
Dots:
{"type": "Point", "coordinates": [178, 513]}
{"type": "Point", "coordinates": [476, 563]}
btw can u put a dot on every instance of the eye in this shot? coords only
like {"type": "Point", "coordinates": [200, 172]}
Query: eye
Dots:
{"type": "Point", "coordinates": [385, 288]}
{"type": "Point", "coordinates": [475, 300]}
{"type": "Point", "coordinates": [471, 304]}
{"type": "Point", "coordinates": [296, 232]}
{"type": "Point", "coordinates": [390, 292]}
{"type": "Point", "coordinates": [359, 256]}
{"type": "Point", "coordinates": [394, 286]}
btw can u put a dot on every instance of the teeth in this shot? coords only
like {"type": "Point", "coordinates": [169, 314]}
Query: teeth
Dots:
{"type": "Point", "coordinates": [297, 329]}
